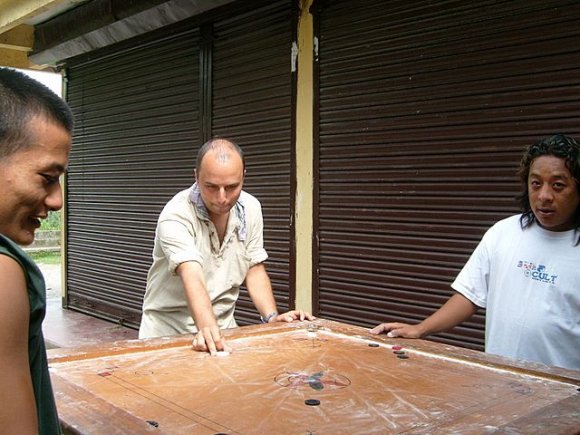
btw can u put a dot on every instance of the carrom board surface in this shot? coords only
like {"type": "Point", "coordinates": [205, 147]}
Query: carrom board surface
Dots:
{"type": "Point", "coordinates": [308, 378]}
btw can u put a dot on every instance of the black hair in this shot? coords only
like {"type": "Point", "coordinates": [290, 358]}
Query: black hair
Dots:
{"type": "Point", "coordinates": [21, 99]}
{"type": "Point", "coordinates": [557, 145]}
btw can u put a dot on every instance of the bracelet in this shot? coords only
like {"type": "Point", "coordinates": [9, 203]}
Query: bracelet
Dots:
{"type": "Point", "coordinates": [268, 317]}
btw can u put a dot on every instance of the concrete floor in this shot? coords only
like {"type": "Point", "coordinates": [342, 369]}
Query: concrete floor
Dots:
{"type": "Point", "coordinates": [68, 328]}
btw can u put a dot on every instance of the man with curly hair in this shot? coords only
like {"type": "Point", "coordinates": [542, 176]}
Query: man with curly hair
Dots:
{"type": "Point", "coordinates": [525, 271]}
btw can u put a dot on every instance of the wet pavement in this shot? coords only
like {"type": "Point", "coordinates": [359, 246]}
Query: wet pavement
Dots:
{"type": "Point", "coordinates": [68, 328]}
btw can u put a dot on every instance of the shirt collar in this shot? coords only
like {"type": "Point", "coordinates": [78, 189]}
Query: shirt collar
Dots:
{"type": "Point", "coordinates": [239, 210]}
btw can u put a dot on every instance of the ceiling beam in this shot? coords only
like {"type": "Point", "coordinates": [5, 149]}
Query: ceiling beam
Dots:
{"type": "Point", "coordinates": [101, 23]}
{"type": "Point", "coordinates": [15, 44]}
{"type": "Point", "coordinates": [14, 58]}
{"type": "Point", "coordinates": [16, 12]}
{"type": "Point", "coordinates": [19, 38]}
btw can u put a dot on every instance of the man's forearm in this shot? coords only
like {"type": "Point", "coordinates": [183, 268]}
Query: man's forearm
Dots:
{"type": "Point", "coordinates": [260, 290]}
{"type": "Point", "coordinates": [456, 310]}
{"type": "Point", "coordinates": [198, 300]}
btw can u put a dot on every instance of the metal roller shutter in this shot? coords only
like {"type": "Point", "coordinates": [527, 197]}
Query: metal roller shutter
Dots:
{"type": "Point", "coordinates": [252, 90]}
{"type": "Point", "coordinates": [136, 122]}
{"type": "Point", "coordinates": [425, 108]}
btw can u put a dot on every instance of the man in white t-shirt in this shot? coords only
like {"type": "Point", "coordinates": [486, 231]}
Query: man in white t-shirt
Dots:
{"type": "Point", "coordinates": [526, 269]}
{"type": "Point", "coordinates": [208, 242]}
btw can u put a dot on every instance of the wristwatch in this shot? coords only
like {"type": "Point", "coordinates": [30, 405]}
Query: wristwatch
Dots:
{"type": "Point", "coordinates": [268, 317]}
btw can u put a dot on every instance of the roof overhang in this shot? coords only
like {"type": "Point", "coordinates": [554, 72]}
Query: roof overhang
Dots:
{"type": "Point", "coordinates": [46, 33]}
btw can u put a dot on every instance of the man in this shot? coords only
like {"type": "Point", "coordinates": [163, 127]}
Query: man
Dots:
{"type": "Point", "coordinates": [525, 271]}
{"type": "Point", "coordinates": [35, 142]}
{"type": "Point", "coordinates": [208, 242]}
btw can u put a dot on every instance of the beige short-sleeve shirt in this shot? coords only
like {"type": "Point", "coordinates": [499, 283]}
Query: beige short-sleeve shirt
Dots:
{"type": "Point", "coordinates": [184, 233]}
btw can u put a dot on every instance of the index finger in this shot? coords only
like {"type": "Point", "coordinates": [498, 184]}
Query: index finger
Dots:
{"type": "Point", "coordinates": [208, 335]}
{"type": "Point", "coordinates": [220, 343]}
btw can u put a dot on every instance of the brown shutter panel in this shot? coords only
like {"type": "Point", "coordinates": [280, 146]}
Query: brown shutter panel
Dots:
{"type": "Point", "coordinates": [136, 126]}
{"type": "Point", "coordinates": [142, 109]}
{"type": "Point", "coordinates": [425, 108]}
{"type": "Point", "coordinates": [252, 86]}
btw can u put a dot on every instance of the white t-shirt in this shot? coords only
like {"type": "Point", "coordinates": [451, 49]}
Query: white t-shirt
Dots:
{"type": "Point", "coordinates": [185, 233]}
{"type": "Point", "coordinates": [529, 282]}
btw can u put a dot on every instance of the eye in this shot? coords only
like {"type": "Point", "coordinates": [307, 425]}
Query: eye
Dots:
{"type": "Point", "coordinates": [50, 179]}
{"type": "Point", "coordinates": [558, 186]}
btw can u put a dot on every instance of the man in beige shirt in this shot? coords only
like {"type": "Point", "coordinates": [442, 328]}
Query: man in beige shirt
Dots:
{"type": "Point", "coordinates": [209, 240]}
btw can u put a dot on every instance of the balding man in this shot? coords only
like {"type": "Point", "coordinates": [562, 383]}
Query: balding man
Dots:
{"type": "Point", "coordinates": [209, 240]}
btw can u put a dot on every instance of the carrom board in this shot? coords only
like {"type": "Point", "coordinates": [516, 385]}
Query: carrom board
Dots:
{"type": "Point", "coordinates": [318, 377]}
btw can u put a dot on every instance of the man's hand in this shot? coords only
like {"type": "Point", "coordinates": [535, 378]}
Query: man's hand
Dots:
{"type": "Point", "coordinates": [290, 316]}
{"type": "Point", "coordinates": [456, 310]}
{"type": "Point", "coordinates": [210, 339]}
{"type": "Point", "coordinates": [403, 330]}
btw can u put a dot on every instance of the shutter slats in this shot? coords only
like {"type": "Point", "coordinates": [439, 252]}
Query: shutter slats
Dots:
{"type": "Point", "coordinates": [135, 146]}
{"type": "Point", "coordinates": [425, 109]}
{"type": "Point", "coordinates": [136, 125]}
{"type": "Point", "coordinates": [252, 105]}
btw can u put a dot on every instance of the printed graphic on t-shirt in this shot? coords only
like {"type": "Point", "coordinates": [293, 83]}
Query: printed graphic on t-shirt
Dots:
{"type": "Point", "coordinates": [537, 272]}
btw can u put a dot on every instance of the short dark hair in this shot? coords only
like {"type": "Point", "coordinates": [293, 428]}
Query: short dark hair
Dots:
{"type": "Point", "coordinates": [217, 143]}
{"type": "Point", "coordinates": [557, 145]}
{"type": "Point", "coordinates": [21, 99]}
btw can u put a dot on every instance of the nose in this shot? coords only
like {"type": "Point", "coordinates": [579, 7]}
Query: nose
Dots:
{"type": "Point", "coordinates": [54, 199]}
{"type": "Point", "coordinates": [545, 194]}
{"type": "Point", "coordinates": [222, 195]}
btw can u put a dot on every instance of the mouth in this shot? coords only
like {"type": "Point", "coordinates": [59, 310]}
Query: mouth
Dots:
{"type": "Point", "coordinates": [545, 212]}
{"type": "Point", "coordinates": [36, 221]}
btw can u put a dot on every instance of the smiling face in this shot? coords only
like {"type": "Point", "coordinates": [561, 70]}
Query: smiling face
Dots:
{"type": "Point", "coordinates": [30, 180]}
{"type": "Point", "coordinates": [553, 193]}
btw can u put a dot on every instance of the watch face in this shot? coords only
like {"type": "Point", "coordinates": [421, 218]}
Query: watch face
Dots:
{"type": "Point", "coordinates": [268, 317]}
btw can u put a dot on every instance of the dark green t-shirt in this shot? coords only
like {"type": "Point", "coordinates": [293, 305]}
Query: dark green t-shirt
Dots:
{"type": "Point", "coordinates": [45, 406]}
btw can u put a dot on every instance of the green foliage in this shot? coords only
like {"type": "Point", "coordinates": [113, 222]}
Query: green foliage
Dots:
{"type": "Point", "coordinates": [46, 257]}
{"type": "Point", "coordinates": [52, 222]}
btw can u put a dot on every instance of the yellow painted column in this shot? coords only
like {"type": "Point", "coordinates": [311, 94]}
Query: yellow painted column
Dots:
{"type": "Point", "coordinates": [303, 218]}
{"type": "Point", "coordinates": [64, 215]}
